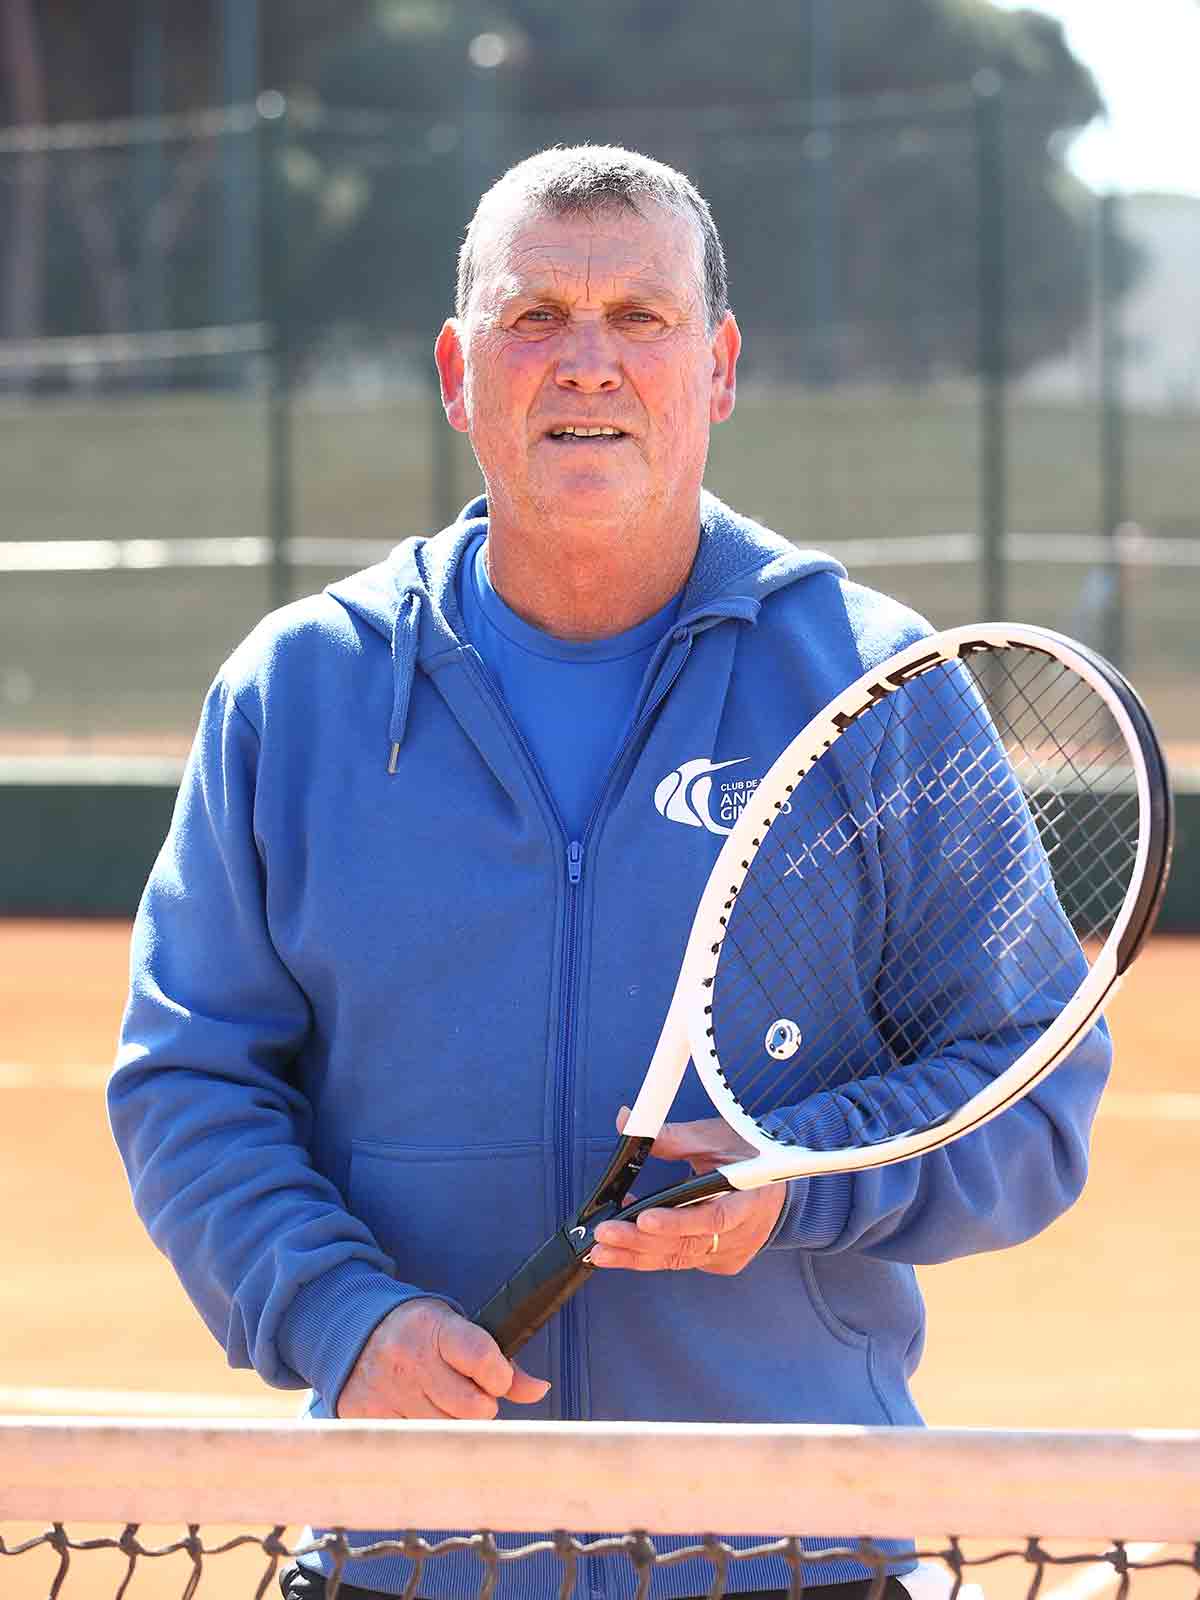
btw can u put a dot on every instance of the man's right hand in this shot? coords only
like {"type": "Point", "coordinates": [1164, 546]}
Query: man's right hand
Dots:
{"type": "Point", "coordinates": [424, 1360]}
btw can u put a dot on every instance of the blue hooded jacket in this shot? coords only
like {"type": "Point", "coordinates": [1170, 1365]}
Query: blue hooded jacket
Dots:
{"type": "Point", "coordinates": [383, 1013]}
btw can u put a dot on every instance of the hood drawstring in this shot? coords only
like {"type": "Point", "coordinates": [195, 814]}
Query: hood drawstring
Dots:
{"type": "Point", "coordinates": [735, 607]}
{"type": "Point", "coordinates": [405, 637]}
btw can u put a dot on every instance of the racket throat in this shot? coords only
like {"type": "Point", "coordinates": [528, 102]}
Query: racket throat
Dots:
{"type": "Point", "coordinates": [608, 1196]}
{"type": "Point", "coordinates": [580, 1232]}
{"type": "Point", "coordinates": [689, 1193]}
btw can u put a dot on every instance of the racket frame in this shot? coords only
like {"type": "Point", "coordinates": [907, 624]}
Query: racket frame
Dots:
{"type": "Point", "coordinates": [686, 1030]}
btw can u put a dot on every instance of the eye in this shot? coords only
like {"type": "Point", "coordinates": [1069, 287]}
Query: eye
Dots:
{"type": "Point", "coordinates": [537, 318]}
{"type": "Point", "coordinates": [636, 319]}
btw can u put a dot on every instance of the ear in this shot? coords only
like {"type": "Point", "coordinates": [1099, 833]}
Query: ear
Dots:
{"type": "Point", "coordinates": [726, 347]}
{"type": "Point", "coordinates": [727, 344]}
{"type": "Point", "coordinates": [448, 354]}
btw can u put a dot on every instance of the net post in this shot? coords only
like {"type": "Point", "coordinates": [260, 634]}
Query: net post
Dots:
{"type": "Point", "coordinates": [988, 90]}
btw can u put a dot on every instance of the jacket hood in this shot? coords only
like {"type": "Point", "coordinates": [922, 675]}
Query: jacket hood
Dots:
{"type": "Point", "coordinates": [411, 597]}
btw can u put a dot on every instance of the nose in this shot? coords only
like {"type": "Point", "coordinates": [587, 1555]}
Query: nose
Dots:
{"type": "Point", "coordinates": [588, 362]}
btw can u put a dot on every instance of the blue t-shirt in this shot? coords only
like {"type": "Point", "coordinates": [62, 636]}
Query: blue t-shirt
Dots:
{"type": "Point", "coordinates": [572, 699]}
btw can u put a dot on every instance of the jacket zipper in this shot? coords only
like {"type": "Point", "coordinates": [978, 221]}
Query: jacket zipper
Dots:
{"type": "Point", "coordinates": [570, 1405]}
{"type": "Point", "coordinates": [571, 1402]}
{"type": "Point", "coordinates": [564, 1055]}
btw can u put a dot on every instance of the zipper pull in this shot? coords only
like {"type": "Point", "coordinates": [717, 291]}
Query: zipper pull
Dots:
{"type": "Point", "coordinates": [574, 861]}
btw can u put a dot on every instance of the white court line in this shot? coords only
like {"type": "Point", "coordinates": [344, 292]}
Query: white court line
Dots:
{"type": "Point", "coordinates": [22, 1400]}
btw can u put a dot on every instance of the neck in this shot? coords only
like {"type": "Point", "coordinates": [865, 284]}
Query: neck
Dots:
{"type": "Point", "coordinates": [588, 584]}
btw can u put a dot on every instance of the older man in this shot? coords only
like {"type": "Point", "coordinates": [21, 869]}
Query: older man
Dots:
{"type": "Point", "coordinates": [407, 948]}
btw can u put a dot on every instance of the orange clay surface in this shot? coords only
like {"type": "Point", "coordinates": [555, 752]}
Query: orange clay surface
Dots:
{"type": "Point", "coordinates": [1093, 1325]}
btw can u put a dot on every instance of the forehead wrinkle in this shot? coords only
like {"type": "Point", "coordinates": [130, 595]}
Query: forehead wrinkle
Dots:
{"type": "Point", "coordinates": [553, 281]}
{"type": "Point", "coordinates": [525, 263]}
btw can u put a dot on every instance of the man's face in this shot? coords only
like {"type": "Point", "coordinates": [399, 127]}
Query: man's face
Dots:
{"type": "Point", "coordinates": [588, 323]}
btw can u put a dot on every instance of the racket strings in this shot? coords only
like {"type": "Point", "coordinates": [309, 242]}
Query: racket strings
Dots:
{"type": "Point", "coordinates": [760, 1091]}
{"type": "Point", "coordinates": [1095, 756]}
{"type": "Point", "coordinates": [1019, 805]}
{"type": "Point", "coordinates": [1066, 740]}
{"type": "Point", "coordinates": [1105, 759]}
{"type": "Point", "coordinates": [763, 1087]}
{"type": "Point", "coordinates": [821, 996]}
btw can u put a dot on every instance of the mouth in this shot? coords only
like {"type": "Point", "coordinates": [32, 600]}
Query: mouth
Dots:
{"type": "Point", "coordinates": [574, 435]}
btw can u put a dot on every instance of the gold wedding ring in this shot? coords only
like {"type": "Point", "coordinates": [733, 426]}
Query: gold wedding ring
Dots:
{"type": "Point", "coordinates": [715, 1243]}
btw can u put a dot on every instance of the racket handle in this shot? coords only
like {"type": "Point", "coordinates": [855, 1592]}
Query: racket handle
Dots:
{"type": "Point", "coordinates": [534, 1293]}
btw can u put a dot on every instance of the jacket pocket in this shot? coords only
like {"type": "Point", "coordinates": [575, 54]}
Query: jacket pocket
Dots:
{"type": "Point", "coordinates": [891, 1299]}
{"type": "Point", "coordinates": [856, 1338]}
{"type": "Point", "coordinates": [455, 1221]}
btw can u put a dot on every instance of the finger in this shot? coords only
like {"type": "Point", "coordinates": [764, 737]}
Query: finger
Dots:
{"type": "Point", "coordinates": [475, 1354]}
{"type": "Point", "coordinates": [650, 1238]}
{"type": "Point", "coordinates": [705, 1144]}
{"type": "Point", "coordinates": [436, 1414]}
{"type": "Point", "coordinates": [457, 1398]}
{"type": "Point", "coordinates": [636, 1252]}
{"type": "Point", "coordinates": [605, 1256]}
{"type": "Point", "coordinates": [723, 1214]}
{"type": "Point", "coordinates": [526, 1389]}
{"type": "Point", "coordinates": [388, 1402]}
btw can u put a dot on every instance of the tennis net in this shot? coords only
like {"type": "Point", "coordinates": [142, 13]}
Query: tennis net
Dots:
{"type": "Point", "coordinates": [143, 1509]}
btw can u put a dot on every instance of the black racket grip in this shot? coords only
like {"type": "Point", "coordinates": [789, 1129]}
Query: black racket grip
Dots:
{"type": "Point", "coordinates": [534, 1293]}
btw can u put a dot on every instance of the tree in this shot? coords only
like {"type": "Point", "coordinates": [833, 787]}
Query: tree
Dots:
{"type": "Point", "coordinates": [82, 218]}
{"type": "Point", "coordinates": [879, 203]}
{"type": "Point", "coordinates": [851, 228]}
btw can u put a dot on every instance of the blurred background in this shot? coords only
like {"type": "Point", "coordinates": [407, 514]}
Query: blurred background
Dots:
{"type": "Point", "coordinates": [964, 248]}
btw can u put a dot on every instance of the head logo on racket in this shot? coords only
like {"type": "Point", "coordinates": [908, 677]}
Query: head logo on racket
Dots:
{"type": "Point", "coordinates": [783, 1039]}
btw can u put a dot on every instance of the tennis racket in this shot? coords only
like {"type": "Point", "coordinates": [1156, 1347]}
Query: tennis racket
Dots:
{"type": "Point", "coordinates": [921, 910]}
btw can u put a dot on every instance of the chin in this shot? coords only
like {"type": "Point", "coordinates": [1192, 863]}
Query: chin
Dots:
{"type": "Point", "coordinates": [588, 498]}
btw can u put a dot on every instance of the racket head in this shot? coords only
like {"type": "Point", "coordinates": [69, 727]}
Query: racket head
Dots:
{"type": "Point", "coordinates": [1027, 771]}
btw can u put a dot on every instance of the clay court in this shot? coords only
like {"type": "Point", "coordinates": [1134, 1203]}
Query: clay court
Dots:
{"type": "Point", "coordinates": [1093, 1325]}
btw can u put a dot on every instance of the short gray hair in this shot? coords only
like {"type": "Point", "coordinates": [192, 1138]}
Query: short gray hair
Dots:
{"type": "Point", "coordinates": [585, 180]}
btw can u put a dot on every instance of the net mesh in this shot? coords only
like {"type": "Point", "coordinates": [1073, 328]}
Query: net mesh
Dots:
{"type": "Point", "coordinates": [147, 1509]}
{"type": "Point", "coordinates": [963, 847]}
{"type": "Point", "coordinates": [953, 1570]}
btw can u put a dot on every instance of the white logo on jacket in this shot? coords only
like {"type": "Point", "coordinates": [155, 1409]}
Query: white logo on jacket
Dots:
{"type": "Point", "coordinates": [686, 795]}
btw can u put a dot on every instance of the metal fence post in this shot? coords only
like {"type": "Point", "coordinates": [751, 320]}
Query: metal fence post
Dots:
{"type": "Point", "coordinates": [272, 135]}
{"type": "Point", "coordinates": [1112, 425]}
{"type": "Point", "coordinates": [238, 42]}
{"type": "Point", "coordinates": [150, 171]}
{"type": "Point", "coordinates": [820, 146]}
{"type": "Point", "coordinates": [993, 342]}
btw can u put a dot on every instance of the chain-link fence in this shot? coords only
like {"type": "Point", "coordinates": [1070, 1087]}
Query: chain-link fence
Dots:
{"type": "Point", "coordinates": [217, 384]}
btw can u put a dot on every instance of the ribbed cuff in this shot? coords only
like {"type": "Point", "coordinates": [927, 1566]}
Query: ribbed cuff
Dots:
{"type": "Point", "coordinates": [814, 1213]}
{"type": "Point", "coordinates": [323, 1331]}
{"type": "Point", "coordinates": [816, 1210]}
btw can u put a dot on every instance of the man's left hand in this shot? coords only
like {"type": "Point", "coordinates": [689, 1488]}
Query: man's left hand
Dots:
{"type": "Point", "coordinates": [664, 1240]}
